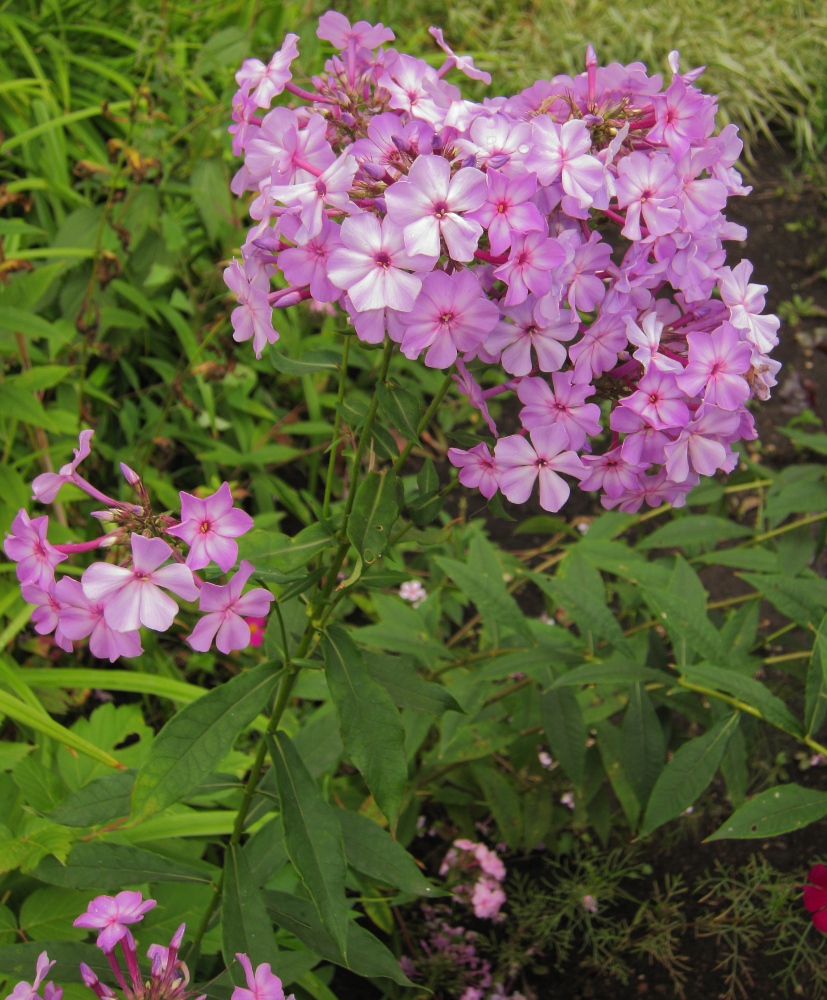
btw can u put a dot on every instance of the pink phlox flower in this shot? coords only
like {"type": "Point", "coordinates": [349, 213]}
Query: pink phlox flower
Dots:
{"type": "Point", "coordinates": [647, 187]}
{"type": "Point", "coordinates": [451, 314]}
{"type": "Point", "coordinates": [132, 596]}
{"type": "Point", "coordinates": [508, 209]}
{"type": "Point", "coordinates": [253, 317]}
{"type": "Point", "coordinates": [478, 468]}
{"type": "Point", "coordinates": [563, 152]}
{"type": "Point", "coordinates": [717, 365]}
{"type": "Point", "coordinates": [610, 472]}
{"type": "Point", "coordinates": [691, 75]}
{"type": "Point", "coordinates": [702, 198]}
{"type": "Point", "coordinates": [654, 491]}
{"type": "Point", "coordinates": [531, 264]}
{"type": "Point", "coordinates": [814, 896]}
{"type": "Point", "coordinates": [646, 338]}
{"type": "Point", "coordinates": [404, 78]}
{"type": "Point", "coordinates": [531, 328]}
{"type": "Point", "coordinates": [589, 904]}
{"type": "Point", "coordinates": [465, 64]}
{"type": "Point", "coordinates": [46, 486]}
{"type": "Point", "coordinates": [336, 29]}
{"type": "Point", "coordinates": [431, 203]}
{"type": "Point", "coordinates": [267, 82]}
{"type": "Point", "coordinates": [225, 609]}
{"type": "Point", "coordinates": [700, 445]}
{"type": "Point", "coordinates": [245, 124]}
{"type": "Point", "coordinates": [564, 406]}
{"type": "Point", "coordinates": [746, 302]}
{"type": "Point", "coordinates": [273, 154]}
{"type": "Point", "coordinates": [487, 898]}
{"type": "Point", "coordinates": [373, 264]}
{"type": "Point", "coordinates": [497, 139]}
{"type": "Point", "coordinates": [685, 117]}
{"type": "Point", "coordinates": [728, 147]}
{"type": "Point", "coordinates": [79, 617]}
{"type": "Point", "coordinates": [210, 526]}
{"type": "Point", "coordinates": [257, 626]}
{"type": "Point", "coordinates": [659, 400]}
{"type": "Point", "coordinates": [468, 386]}
{"type": "Point", "coordinates": [522, 463]}
{"type": "Point", "coordinates": [597, 350]}
{"type": "Point", "coordinates": [28, 991]}
{"type": "Point", "coordinates": [27, 545]}
{"type": "Point", "coordinates": [489, 861]}
{"type": "Point", "coordinates": [413, 591]}
{"type": "Point", "coordinates": [307, 263]}
{"type": "Point", "coordinates": [643, 443]}
{"type": "Point", "coordinates": [371, 325]}
{"type": "Point", "coordinates": [261, 984]}
{"type": "Point", "coordinates": [47, 609]}
{"type": "Point", "coordinates": [112, 914]}
{"type": "Point", "coordinates": [585, 289]}
{"type": "Point", "coordinates": [331, 187]}
{"type": "Point", "coordinates": [764, 371]}
{"type": "Point", "coordinates": [379, 148]}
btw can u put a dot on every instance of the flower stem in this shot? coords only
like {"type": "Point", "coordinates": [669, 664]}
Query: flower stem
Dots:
{"type": "Point", "coordinates": [337, 419]}
{"type": "Point", "coordinates": [427, 417]}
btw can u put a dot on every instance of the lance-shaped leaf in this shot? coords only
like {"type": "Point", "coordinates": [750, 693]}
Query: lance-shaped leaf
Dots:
{"type": "Point", "coordinates": [400, 407]}
{"type": "Point", "coordinates": [565, 731]}
{"type": "Point", "coordinates": [313, 838]}
{"type": "Point", "coordinates": [815, 705]}
{"type": "Point", "coordinates": [17, 961]}
{"type": "Point", "coordinates": [773, 812]}
{"type": "Point", "coordinates": [751, 692]}
{"type": "Point", "coordinates": [371, 727]}
{"type": "Point", "coordinates": [106, 866]}
{"type": "Point", "coordinates": [643, 745]}
{"type": "Point", "coordinates": [245, 925]}
{"type": "Point", "coordinates": [374, 513]}
{"type": "Point", "coordinates": [687, 775]}
{"type": "Point", "coordinates": [100, 801]}
{"type": "Point", "coordinates": [198, 738]}
{"type": "Point", "coordinates": [373, 852]}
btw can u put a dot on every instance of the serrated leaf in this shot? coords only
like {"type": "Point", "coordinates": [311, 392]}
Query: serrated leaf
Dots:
{"type": "Point", "coordinates": [195, 740]}
{"type": "Point", "coordinates": [369, 722]}
{"type": "Point", "coordinates": [106, 866]}
{"type": "Point", "coordinates": [565, 731]}
{"type": "Point", "coordinates": [98, 802]}
{"type": "Point", "coordinates": [400, 407]}
{"type": "Point", "coordinates": [688, 774]}
{"type": "Point", "coordinates": [773, 812]}
{"type": "Point", "coordinates": [373, 852]}
{"type": "Point", "coordinates": [374, 513]}
{"type": "Point", "coordinates": [245, 925]}
{"type": "Point", "coordinates": [313, 837]}
{"type": "Point", "coordinates": [643, 744]}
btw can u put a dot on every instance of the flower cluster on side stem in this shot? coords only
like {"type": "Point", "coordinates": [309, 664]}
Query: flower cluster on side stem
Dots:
{"type": "Point", "coordinates": [112, 600]}
{"type": "Point", "coordinates": [567, 242]}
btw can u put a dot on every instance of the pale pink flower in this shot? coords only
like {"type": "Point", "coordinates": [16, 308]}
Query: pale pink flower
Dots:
{"type": "Point", "coordinates": [336, 29]}
{"type": "Point", "coordinates": [562, 152]}
{"type": "Point", "coordinates": [111, 914]}
{"type": "Point", "coordinates": [530, 265]}
{"type": "Point", "coordinates": [508, 209]}
{"type": "Point", "coordinates": [413, 591]}
{"type": "Point", "coordinates": [28, 991]}
{"type": "Point", "coordinates": [226, 609]}
{"type": "Point", "coordinates": [659, 400]}
{"type": "Point", "coordinates": [478, 468]}
{"type": "Point", "coordinates": [746, 302]}
{"type": "Point", "coordinates": [253, 317]}
{"type": "Point", "coordinates": [589, 904]}
{"type": "Point", "coordinates": [46, 486]}
{"type": "Point", "coordinates": [646, 338]}
{"type": "Point", "coordinates": [410, 83]}
{"type": "Point", "coordinates": [465, 64]}
{"type": "Point", "coordinates": [717, 365]}
{"type": "Point", "coordinates": [532, 329]}
{"type": "Point", "coordinates": [79, 617]}
{"type": "Point", "coordinates": [267, 82]}
{"type": "Point", "coordinates": [132, 596]}
{"type": "Point", "coordinates": [28, 546]}
{"type": "Point", "coordinates": [46, 614]}
{"type": "Point", "coordinates": [307, 264]}
{"type": "Point", "coordinates": [330, 188]}
{"type": "Point", "coordinates": [685, 116]}
{"type": "Point", "coordinates": [562, 403]}
{"type": "Point", "coordinates": [261, 984]}
{"type": "Point", "coordinates": [522, 463]}
{"type": "Point", "coordinates": [647, 187]}
{"type": "Point", "coordinates": [487, 898]}
{"type": "Point", "coordinates": [210, 527]}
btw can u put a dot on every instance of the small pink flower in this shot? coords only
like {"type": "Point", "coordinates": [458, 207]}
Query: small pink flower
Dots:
{"type": "Point", "coordinates": [562, 152]}
{"type": "Point", "coordinates": [79, 617]}
{"type": "Point", "coordinates": [487, 898]}
{"type": "Point", "coordinates": [28, 546]}
{"type": "Point", "coordinates": [508, 209]}
{"type": "Point", "coordinates": [267, 82]}
{"type": "Point", "coordinates": [261, 984]}
{"type": "Point", "coordinates": [465, 64]}
{"type": "Point", "coordinates": [533, 258]}
{"type": "Point", "coordinates": [111, 914]}
{"type": "Point", "coordinates": [478, 468]}
{"type": "Point", "coordinates": [28, 991]}
{"type": "Point", "coordinates": [716, 368]}
{"type": "Point", "coordinates": [522, 463]}
{"type": "Point", "coordinates": [226, 612]}
{"type": "Point", "coordinates": [589, 904]}
{"type": "Point", "coordinates": [256, 626]}
{"type": "Point", "coordinates": [252, 319]}
{"type": "Point", "coordinates": [46, 486]}
{"type": "Point", "coordinates": [413, 591]}
{"type": "Point", "coordinates": [210, 527]}
{"type": "Point", "coordinates": [567, 800]}
{"type": "Point", "coordinates": [336, 29]}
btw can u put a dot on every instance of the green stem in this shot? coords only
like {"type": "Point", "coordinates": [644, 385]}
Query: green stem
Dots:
{"type": "Point", "coordinates": [337, 419]}
{"type": "Point", "coordinates": [427, 417]}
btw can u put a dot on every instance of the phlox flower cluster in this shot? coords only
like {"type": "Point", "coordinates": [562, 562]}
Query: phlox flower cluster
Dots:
{"type": "Point", "coordinates": [169, 976]}
{"type": "Point", "coordinates": [112, 600]}
{"type": "Point", "coordinates": [564, 245]}
{"type": "Point", "coordinates": [485, 894]}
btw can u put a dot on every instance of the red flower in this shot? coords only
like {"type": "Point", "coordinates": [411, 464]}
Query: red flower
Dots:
{"type": "Point", "coordinates": [815, 896]}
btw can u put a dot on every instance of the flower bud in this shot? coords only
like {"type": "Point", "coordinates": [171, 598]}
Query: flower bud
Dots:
{"type": "Point", "coordinates": [401, 143]}
{"type": "Point", "coordinates": [130, 476]}
{"type": "Point", "coordinates": [373, 170]}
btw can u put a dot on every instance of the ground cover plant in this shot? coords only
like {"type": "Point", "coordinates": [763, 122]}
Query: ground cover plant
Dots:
{"type": "Point", "coordinates": [263, 771]}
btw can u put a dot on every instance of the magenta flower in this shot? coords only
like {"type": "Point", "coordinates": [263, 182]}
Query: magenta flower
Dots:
{"type": "Point", "coordinates": [478, 468]}
{"type": "Point", "coordinates": [534, 256]}
{"type": "Point", "coordinates": [267, 82]}
{"type": "Point", "coordinates": [815, 896]}
{"type": "Point", "coordinates": [430, 203]}
{"type": "Point", "coordinates": [78, 617]}
{"type": "Point", "coordinates": [46, 486]}
{"type": "Point", "coordinates": [28, 991]}
{"type": "Point", "coordinates": [132, 596]}
{"type": "Point", "coordinates": [563, 406]}
{"type": "Point", "coordinates": [659, 400]}
{"type": "Point", "coordinates": [336, 29]}
{"type": "Point", "coordinates": [523, 463]}
{"type": "Point", "coordinates": [647, 187]}
{"type": "Point", "coordinates": [532, 329]}
{"type": "Point", "coordinates": [717, 365]}
{"type": "Point", "coordinates": [28, 546]}
{"type": "Point", "coordinates": [307, 264]}
{"type": "Point", "coordinates": [508, 209]}
{"type": "Point", "coordinates": [210, 527]}
{"type": "Point", "coordinates": [253, 318]}
{"type": "Point", "coordinates": [372, 265]}
{"type": "Point", "coordinates": [261, 984]}
{"type": "Point", "coordinates": [746, 302]}
{"type": "Point", "coordinates": [257, 626]}
{"type": "Point", "coordinates": [226, 609]}
{"type": "Point", "coordinates": [112, 914]}
{"type": "Point", "coordinates": [562, 152]}
{"type": "Point", "coordinates": [451, 315]}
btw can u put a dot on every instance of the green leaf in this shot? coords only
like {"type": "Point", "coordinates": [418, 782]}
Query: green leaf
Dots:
{"type": "Point", "coordinates": [815, 706]}
{"type": "Point", "coordinates": [313, 837]}
{"type": "Point", "coordinates": [681, 609]}
{"type": "Point", "coordinates": [745, 689]}
{"type": "Point", "coordinates": [407, 689]}
{"type": "Point", "coordinates": [322, 360]}
{"type": "Point", "coordinates": [369, 722]}
{"type": "Point", "coordinates": [643, 745]}
{"type": "Point", "coordinates": [624, 672]}
{"type": "Point", "coordinates": [373, 852]}
{"type": "Point", "coordinates": [28, 716]}
{"type": "Point", "coordinates": [17, 961]}
{"type": "Point", "coordinates": [481, 580]}
{"type": "Point", "coordinates": [113, 680]}
{"type": "Point", "coordinates": [688, 774]}
{"type": "Point", "coordinates": [47, 915]}
{"type": "Point", "coordinates": [565, 731]}
{"type": "Point", "coordinates": [400, 407]}
{"type": "Point", "coordinates": [804, 600]}
{"type": "Point", "coordinates": [40, 785]}
{"type": "Point", "coordinates": [374, 513]}
{"type": "Point", "coordinates": [366, 955]}
{"type": "Point", "coordinates": [16, 403]}
{"type": "Point", "coordinates": [195, 740]}
{"type": "Point", "coordinates": [268, 550]}
{"type": "Point", "coordinates": [697, 530]}
{"type": "Point", "coordinates": [8, 926]}
{"type": "Point", "coordinates": [610, 747]}
{"type": "Point", "coordinates": [773, 812]}
{"type": "Point", "coordinates": [106, 866]}
{"type": "Point", "coordinates": [503, 801]}
{"type": "Point", "coordinates": [98, 802]}
{"type": "Point", "coordinates": [245, 925]}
